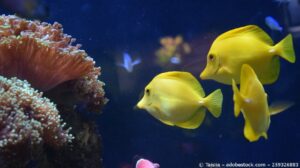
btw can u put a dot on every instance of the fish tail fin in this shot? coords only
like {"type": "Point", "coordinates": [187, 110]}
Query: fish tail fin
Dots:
{"type": "Point", "coordinates": [285, 49]}
{"type": "Point", "coordinates": [213, 103]}
{"type": "Point", "coordinates": [278, 107]}
{"type": "Point", "coordinates": [237, 98]}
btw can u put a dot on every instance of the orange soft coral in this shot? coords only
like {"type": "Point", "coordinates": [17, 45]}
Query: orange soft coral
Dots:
{"type": "Point", "coordinates": [40, 53]}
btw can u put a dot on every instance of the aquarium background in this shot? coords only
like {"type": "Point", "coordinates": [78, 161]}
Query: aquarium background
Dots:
{"type": "Point", "coordinates": [107, 29]}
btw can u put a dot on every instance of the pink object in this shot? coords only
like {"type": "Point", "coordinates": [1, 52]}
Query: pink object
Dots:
{"type": "Point", "coordinates": [144, 163]}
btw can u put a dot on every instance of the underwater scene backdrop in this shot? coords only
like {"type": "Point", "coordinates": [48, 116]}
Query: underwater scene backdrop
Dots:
{"type": "Point", "coordinates": [135, 40]}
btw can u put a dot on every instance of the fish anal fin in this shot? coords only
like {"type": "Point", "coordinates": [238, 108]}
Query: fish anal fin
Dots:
{"type": "Point", "coordinates": [195, 121]}
{"type": "Point", "coordinates": [167, 122]}
{"type": "Point", "coordinates": [251, 30]}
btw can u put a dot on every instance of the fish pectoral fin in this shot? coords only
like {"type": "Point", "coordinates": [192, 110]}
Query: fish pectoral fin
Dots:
{"type": "Point", "coordinates": [278, 107]}
{"type": "Point", "coordinates": [195, 121]}
{"type": "Point", "coordinates": [167, 122]}
{"type": "Point", "coordinates": [224, 70]}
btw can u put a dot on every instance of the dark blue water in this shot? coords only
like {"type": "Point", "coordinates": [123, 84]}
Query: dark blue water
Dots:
{"type": "Point", "coordinates": [108, 28]}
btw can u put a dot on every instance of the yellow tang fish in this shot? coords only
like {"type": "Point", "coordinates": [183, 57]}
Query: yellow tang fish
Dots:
{"type": "Point", "coordinates": [246, 45]}
{"type": "Point", "coordinates": [177, 99]}
{"type": "Point", "coordinates": [252, 101]}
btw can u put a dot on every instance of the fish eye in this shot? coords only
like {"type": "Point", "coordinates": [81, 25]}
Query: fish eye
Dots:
{"type": "Point", "coordinates": [211, 57]}
{"type": "Point", "coordinates": [148, 92]}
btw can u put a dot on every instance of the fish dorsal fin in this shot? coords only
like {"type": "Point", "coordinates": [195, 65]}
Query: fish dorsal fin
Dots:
{"type": "Point", "coordinates": [247, 77]}
{"type": "Point", "coordinates": [185, 77]}
{"type": "Point", "coordinates": [250, 30]}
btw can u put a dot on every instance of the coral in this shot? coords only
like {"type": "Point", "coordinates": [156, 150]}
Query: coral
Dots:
{"type": "Point", "coordinates": [90, 90]}
{"type": "Point", "coordinates": [40, 53]}
{"type": "Point", "coordinates": [31, 130]}
{"type": "Point", "coordinates": [87, 91]}
{"type": "Point", "coordinates": [27, 116]}
{"type": "Point", "coordinates": [86, 147]}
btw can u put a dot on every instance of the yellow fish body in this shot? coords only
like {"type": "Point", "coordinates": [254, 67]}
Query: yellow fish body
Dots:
{"type": "Point", "coordinates": [252, 101]}
{"type": "Point", "coordinates": [177, 99]}
{"type": "Point", "coordinates": [246, 45]}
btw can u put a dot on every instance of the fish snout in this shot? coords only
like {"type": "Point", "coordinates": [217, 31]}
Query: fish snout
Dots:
{"type": "Point", "coordinates": [140, 105]}
{"type": "Point", "coordinates": [136, 107]}
{"type": "Point", "coordinates": [208, 73]}
{"type": "Point", "coordinates": [204, 75]}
